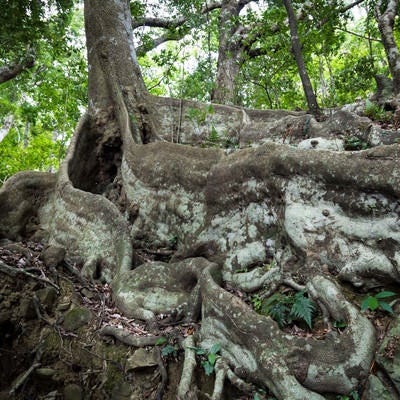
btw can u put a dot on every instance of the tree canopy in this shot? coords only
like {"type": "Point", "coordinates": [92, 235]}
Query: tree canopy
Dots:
{"type": "Point", "coordinates": [232, 52]}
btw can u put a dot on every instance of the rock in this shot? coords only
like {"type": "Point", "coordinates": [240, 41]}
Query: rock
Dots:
{"type": "Point", "coordinates": [141, 358]}
{"type": "Point", "coordinates": [47, 297]}
{"type": "Point", "coordinates": [376, 390]}
{"type": "Point", "coordinates": [73, 392]}
{"type": "Point", "coordinates": [76, 318]}
{"type": "Point", "coordinates": [320, 143]}
{"type": "Point", "coordinates": [63, 306]}
{"type": "Point", "coordinates": [53, 256]}
{"type": "Point", "coordinates": [26, 309]}
{"type": "Point", "coordinates": [121, 391]}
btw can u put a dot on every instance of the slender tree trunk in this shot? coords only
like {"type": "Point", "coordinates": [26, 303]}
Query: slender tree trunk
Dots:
{"type": "Point", "coordinates": [296, 47]}
{"type": "Point", "coordinates": [26, 133]}
{"type": "Point", "coordinates": [385, 19]}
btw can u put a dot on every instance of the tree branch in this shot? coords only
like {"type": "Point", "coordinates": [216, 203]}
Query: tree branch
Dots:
{"type": "Point", "coordinates": [360, 36]}
{"type": "Point", "coordinates": [8, 72]}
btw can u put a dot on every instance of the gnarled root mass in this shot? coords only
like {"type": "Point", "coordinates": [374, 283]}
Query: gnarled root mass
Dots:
{"type": "Point", "coordinates": [250, 221]}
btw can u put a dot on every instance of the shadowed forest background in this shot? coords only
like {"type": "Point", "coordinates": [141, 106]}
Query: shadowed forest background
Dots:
{"type": "Point", "coordinates": [208, 206]}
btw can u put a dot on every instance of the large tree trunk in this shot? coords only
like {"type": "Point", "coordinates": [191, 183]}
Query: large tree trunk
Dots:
{"type": "Point", "coordinates": [229, 54]}
{"type": "Point", "coordinates": [305, 215]}
{"type": "Point", "coordinates": [296, 47]}
{"type": "Point", "coordinates": [116, 86]}
{"type": "Point", "coordinates": [385, 17]}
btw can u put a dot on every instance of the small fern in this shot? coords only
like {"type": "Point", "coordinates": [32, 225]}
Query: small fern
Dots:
{"type": "Point", "coordinates": [285, 309]}
{"type": "Point", "coordinates": [279, 313]}
{"type": "Point", "coordinates": [303, 308]}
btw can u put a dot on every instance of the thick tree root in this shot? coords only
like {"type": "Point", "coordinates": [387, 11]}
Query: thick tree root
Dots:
{"type": "Point", "coordinates": [129, 339]}
{"type": "Point", "coordinates": [188, 367]}
{"type": "Point", "coordinates": [291, 367]}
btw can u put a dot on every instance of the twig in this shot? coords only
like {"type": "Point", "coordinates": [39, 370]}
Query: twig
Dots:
{"type": "Point", "coordinates": [11, 271]}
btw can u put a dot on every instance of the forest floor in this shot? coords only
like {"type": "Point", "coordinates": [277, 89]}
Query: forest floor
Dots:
{"type": "Point", "coordinates": [52, 345]}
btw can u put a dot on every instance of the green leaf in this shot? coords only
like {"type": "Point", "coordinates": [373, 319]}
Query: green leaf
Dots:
{"type": "Point", "coordinates": [198, 350]}
{"type": "Point", "coordinates": [373, 303]}
{"type": "Point", "coordinates": [384, 294]}
{"type": "Point", "coordinates": [386, 306]}
{"type": "Point", "coordinates": [216, 348]}
{"type": "Point", "coordinates": [161, 340]}
{"type": "Point", "coordinates": [168, 349]}
{"type": "Point", "coordinates": [208, 368]}
{"type": "Point", "coordinates": [279, 313]}
{"type": "Point", "coordinates": [212, 358]}
{"type": "Point", "coordinates": [364, 304]}
{"type": "Point", "coordinates": [339, 324]}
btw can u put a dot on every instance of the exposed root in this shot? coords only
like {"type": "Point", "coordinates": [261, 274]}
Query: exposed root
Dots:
{"type": "Point", "coordinates": [220, 374]}
{"type": "Point", "coordinates": [125, 337]}
{"type": "Point", "coordinates": [188, 368]}
{"type": "Point", "coordinates": [291, 367]}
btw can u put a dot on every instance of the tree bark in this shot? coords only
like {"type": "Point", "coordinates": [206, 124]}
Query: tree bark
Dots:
{"type": "Point", "coordinates": [116, 86]}
{"type": "Point", "coordinates": [229, 54]}
{"type": "Point", "coordinates": [296, 47]}
{"type": "Point", "coordinates": [385, 18]}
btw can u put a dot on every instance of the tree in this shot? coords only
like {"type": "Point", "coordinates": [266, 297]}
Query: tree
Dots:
{"type": "Point", "coordinates": [36, 20]}
{"type": "Point", "coordinates": [296, 48]}
{"type": "Point", "coordinates": [256, 220]}
{"type": "Point", "coordinates": [385, 13]}
{"type": "Point", "coordinates": [39, 108]}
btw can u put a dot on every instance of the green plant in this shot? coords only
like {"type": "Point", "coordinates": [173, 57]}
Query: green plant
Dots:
{"type": "Point", "coordinates": [213, 138]}
{"type": "Point", "coordinates": [168, 349]}
{"type": "Point", "coordinates": [209, 357]}
{"type": "Point", "coordinates": [257, 302]}
{"type": "Point", "coordinates": [375, 112]}
{"type": "Point", "coordinates": [354, 143]}
{"type": "Point", "coordinates": [285, 309]}
{"type": "Point", "coordinates": [352, 396]}
{"type": "Point", "coordinates": [339, 324]}
{"type": "Point", "coordinates": [374, 302]}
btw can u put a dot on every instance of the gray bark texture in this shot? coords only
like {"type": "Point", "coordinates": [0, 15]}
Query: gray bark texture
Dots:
{"type": "Point", "coordinates": [274, 203]}
{"type": "Point", "coordinates": [385, 12]}
{"type": "Point", "coordinates": [298, 55]}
